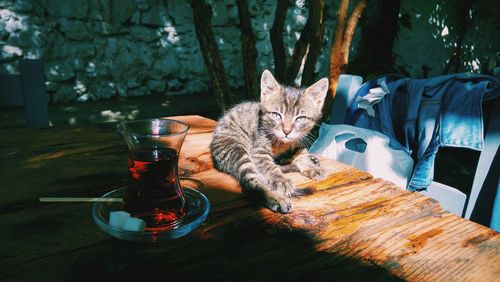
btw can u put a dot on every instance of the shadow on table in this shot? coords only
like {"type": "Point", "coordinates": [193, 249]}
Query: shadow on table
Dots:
{"type": "Point", "coordinates": [243, 247]}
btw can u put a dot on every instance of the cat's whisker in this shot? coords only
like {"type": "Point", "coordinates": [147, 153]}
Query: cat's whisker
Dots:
{"type": "Point", "coordinates": [305, 143]}
{"type": "Point", "coordinates": [308, 143]}
{"type": "Point", "coordinates": [308, 140]}
{"type": "Point", "coordinates": [302, 144]}
{"type": "Point", "coordinates": [268, 134]}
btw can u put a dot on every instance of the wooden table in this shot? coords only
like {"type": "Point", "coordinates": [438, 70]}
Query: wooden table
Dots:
{"type": "Point", "coordinates": [353, 227]}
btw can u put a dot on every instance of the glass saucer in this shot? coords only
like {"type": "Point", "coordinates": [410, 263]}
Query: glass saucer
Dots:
{"type": "Point", "coordinates": [197, 208]}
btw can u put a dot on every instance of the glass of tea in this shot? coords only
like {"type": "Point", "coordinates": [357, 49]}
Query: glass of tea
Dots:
{"type": "Point", "coordinates": [153, 192]}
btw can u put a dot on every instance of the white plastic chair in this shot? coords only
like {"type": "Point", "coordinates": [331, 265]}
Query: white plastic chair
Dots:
{"type": "Point", "coordinates": [477, 206]}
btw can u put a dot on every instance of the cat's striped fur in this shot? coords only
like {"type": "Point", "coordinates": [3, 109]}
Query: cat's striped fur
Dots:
{"type": "Point", "coordinates": [253, 139]}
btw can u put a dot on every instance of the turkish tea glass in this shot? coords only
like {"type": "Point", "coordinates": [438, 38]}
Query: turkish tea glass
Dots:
{"type": "Point", "coordinates": [153, 192]}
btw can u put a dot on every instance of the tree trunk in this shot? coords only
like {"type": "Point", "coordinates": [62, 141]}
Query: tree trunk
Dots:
{"type": "Point", "coordinates": [336, 66]}
{"type": "Point", "coordinates": [317, 11]}
{"type": "Point", "coordinates": [248, 50]}
{"type": "Point", "coordinates": [276, 34]}
{"type": "Point", "coordinates": [308, 45]}
{"type": "Point", "coordinates": [464, 7]}
{"type": "Point", "coordinates": [349, 29]}
{"type": "Point", "coordinates": [335, 55]}
{"type": "Point", "coordinates": [299, 51]}
{"type": "Point", "coordinates": [389, 24]}
{"type": "Point", "coordinates": [202, 17]}
{"type": "Point", "coordinates": [341, 43]}
{"type": "Point", "coordinates": [381, 25]}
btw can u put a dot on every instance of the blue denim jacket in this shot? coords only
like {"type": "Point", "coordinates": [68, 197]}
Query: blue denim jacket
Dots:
{"type": "Point", "coordinates": [421, 115]}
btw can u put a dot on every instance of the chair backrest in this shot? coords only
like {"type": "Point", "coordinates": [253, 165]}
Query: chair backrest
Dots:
{"type": "Point", "coordinates": [479, 205]}
{"type": "Point", "coordinates": [346, 89]}
{"type": "Point", "coordinates": [26, 89]}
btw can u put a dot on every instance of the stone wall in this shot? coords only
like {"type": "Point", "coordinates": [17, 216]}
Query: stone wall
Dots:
{"type": "Point", "coordinates": [100, 49]}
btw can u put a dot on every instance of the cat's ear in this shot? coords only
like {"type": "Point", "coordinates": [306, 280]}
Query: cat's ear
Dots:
{"type": "Point", "coordinates": [268, 84]}
{"type": "Point", "coordinates": [317, 91]}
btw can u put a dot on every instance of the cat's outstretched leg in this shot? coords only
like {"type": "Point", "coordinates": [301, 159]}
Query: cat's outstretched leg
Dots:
{"type": "Point", "coordinates": [279, 188]}
{"type": "Point", "coordinates": [272, 192]}
{"type": "Point", "coordinates": [236, 162]}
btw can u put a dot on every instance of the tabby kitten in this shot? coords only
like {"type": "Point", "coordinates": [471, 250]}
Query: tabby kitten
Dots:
{"type": "Point", "coordinates": [254, 141]}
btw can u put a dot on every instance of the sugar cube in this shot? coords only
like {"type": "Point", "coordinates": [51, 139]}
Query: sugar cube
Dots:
{"type": "Point", "coordinates": [117, 219]}
{"type": "Point", "coordinates": [134, 224]}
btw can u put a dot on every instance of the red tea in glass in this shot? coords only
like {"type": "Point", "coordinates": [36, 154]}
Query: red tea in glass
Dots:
{"type": "Point", "coordinates": [153, 192]}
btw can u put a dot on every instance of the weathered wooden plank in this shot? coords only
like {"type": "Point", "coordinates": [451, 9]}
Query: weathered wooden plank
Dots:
{"type": "Point", "coordinates": [351, 227]}
{"type": "Point", "coordinates": [79, 174]}
{"type": "Point", "coordinates": [75, 229]}
{"type": "Point", "coordinates": [350, 231]}
{"type": "Point", "coordinates": [347, 222]}
{"type": "Point", "coordinates": [55, 228]}
{"type": "Point", "coordinates": [198, 124]}
{"type": "Point", "coordinates": [231, 226]}
{"type": "Point", "coordinates": [195, 155]}
{"type": "Point", "coordinates": [248, 250]}
{"type": "Point", "coordinates": [77, 161]}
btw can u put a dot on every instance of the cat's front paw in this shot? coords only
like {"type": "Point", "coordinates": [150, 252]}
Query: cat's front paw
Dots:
{"type": "Point", "coordinates": [309, 166]}
{"type": "Point", "coordinates": [315, 173]}
{"type": "Point", "coordinates": [277, 202]}
{"type": "Point", "coordinates": [283, 186]}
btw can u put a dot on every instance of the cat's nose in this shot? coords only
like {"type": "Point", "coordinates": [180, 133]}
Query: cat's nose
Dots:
{"type": "Point", "coordinates": [287, 131]}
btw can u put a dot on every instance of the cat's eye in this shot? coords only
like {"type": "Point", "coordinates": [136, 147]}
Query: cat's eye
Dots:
{"type": "Point", "coordinates": [276, 115]}
{"type": "Point", "coordinates": [301, 118]}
